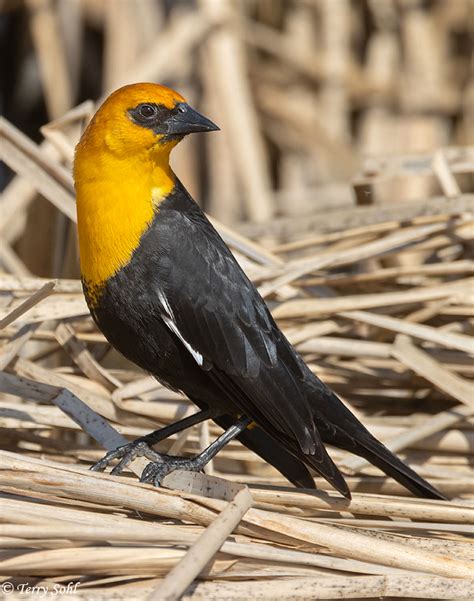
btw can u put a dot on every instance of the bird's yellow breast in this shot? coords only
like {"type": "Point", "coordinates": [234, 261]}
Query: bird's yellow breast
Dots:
{"type": "Point", "coordinates": [116, 202]}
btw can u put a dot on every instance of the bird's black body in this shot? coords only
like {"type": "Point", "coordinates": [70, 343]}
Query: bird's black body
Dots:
{"type": "Point", "coordinates": [183, 310]}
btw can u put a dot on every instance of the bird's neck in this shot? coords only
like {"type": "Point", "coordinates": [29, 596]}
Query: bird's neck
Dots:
{"type": "Point", "coordinates": [116, 202]}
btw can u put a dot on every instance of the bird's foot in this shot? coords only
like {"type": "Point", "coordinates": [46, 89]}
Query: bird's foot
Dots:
{"type": "Point", "coordinates": [160, 465]}
{"type": "Point", "coordinates": [126, 454]}
{"type": "Point", "coordinates": [157, 470]}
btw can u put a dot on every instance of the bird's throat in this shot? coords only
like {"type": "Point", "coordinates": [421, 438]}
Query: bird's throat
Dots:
{"type": "Point", "coordinates": [115, 206]}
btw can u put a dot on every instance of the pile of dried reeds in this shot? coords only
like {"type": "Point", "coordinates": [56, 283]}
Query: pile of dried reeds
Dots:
{"type": "Point", "coordinates": [381, 312]}
{"type": "Point", "coordinates": [376, 294]}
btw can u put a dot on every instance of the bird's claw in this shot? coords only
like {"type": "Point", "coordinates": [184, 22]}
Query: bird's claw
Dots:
{"type": "Point", "coordinates": [157, 470]}
{"type": "Point", "coordinates": [126, 453]}
{"type": "Point", "coordinates": [160, 465]}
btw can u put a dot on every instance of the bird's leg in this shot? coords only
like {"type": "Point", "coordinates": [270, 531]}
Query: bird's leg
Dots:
{"type": "Point", "coordinates": [157, 470]}
{"type": "Point", "coordinates": [141, 447]}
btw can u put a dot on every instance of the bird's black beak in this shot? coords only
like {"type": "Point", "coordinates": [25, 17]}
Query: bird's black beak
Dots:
{"type": "Point", "coordinates": [185, 120]}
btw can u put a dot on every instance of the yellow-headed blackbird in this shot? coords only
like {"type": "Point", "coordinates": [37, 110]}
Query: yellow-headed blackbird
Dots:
{"type": "Point", "coordinates": [167, 293]}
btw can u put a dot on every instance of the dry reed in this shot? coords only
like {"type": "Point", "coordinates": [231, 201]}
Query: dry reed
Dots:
{"type": "Point", "coordinates": [375, 293]}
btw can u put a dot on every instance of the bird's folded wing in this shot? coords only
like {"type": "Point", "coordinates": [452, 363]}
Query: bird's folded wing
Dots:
{"type": "Point", "coordinates": [216, 312]}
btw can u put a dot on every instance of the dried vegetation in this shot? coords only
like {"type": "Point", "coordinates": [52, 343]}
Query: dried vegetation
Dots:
{"type": "Point", "coordinates": [372, 281]}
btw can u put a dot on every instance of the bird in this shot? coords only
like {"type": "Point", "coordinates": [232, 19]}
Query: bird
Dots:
{"type": "Point", "coordinates": [167, 293]}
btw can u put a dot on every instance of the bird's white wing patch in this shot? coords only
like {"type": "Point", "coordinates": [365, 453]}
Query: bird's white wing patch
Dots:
{"type": "Point", "coordinates": [169, 320]}
{"type": "Point", "coordinates": [172, 326]}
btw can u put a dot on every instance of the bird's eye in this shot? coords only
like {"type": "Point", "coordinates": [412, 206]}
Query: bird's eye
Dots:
{"type": "Point", "coordinates": [147, 111]}
{"type": "Point", "coordinates": [148, 114]}
{"type": "Point", "coordinates": [182, 108]}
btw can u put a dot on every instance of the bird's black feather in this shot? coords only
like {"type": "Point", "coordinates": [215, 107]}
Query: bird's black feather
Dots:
{"type": "Point", "coordinates": [184, 310]}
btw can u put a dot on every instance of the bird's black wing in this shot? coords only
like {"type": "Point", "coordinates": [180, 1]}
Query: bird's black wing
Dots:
{"type": "Point", "coordinates": [216, 312]}
{"type": "Point", "coordinates": [213, 308]}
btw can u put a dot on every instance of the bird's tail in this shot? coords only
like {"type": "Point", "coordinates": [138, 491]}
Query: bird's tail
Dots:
{"type": "Point", "coordinates": [378, 454]}
{"type": "Point", "coordinates": [340, 428]}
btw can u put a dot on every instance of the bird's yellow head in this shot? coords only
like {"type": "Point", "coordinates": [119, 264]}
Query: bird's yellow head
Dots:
{"type": "Point", "coordinates": [122, 172]}
{"type": "Point", "coordinates": [141, 118]}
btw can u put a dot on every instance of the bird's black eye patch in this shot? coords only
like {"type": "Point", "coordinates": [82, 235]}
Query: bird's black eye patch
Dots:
{"type": "Point", "coordinates": [148, 114]}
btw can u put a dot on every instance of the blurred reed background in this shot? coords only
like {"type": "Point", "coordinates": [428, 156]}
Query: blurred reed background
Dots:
{"type": "Point", "coordinates": [305, 92]}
